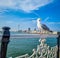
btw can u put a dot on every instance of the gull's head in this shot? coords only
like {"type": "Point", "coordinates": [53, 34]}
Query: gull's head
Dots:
{"type": "Point", "coordinates": [39, 19]}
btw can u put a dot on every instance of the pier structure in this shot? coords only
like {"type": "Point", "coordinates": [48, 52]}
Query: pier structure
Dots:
{"type": "Point", "coordinates": [4, 42]}
{"type": "Point", "coordinates": [43, 50]}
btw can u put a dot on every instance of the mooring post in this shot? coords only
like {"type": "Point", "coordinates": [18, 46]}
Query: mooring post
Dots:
{"type": "Point", "coordinates": [58, 40]}
{"type": "Point", "coordinates": [5, 41]}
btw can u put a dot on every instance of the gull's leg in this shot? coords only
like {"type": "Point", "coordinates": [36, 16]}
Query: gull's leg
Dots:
{"type": "Point", "coordinates": [41, 31]}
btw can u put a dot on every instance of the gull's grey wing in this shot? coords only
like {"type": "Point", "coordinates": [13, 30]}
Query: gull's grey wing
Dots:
{"type": "Point", "coordinates": [45, 27]}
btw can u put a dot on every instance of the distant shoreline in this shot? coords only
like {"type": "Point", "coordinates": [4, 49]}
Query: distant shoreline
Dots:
{"type": "Point", "coordinates": [31, 35]}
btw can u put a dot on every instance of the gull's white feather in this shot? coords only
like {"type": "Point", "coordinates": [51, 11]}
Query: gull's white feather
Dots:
{"type": "Point", "coordinates": [38, 23]}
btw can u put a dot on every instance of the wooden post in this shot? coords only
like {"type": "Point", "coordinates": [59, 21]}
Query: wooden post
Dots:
{"type": "Point", "coordinates": [58, 40]}
{"type": "Point", "coordinates": [5, 41]}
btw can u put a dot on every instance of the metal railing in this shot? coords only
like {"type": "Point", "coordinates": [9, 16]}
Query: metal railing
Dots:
{"type": "Point", "coordinates": [43, 51]}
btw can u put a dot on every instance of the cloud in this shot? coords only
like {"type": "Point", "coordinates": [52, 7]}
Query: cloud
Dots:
{"type": "Point", "coordinates": [34, 21]}
{"type": "Point", "coordinates": [25, 5]}
{"type": "Point", "coordinates": [9, 22]}
{"type": "Point", "coordinates": [47, 18]}
{"type": "Point", "coordinates": [53, 23]}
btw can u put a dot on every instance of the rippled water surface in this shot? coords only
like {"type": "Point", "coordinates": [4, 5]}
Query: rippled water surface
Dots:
{"type": "Point", "coordinates": [22, 46]}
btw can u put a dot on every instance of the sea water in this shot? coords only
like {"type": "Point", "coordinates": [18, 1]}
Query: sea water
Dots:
{"type": "Point", "coordinates": [22, 46]}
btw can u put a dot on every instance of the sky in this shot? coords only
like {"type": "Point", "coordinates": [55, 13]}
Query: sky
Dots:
{"type": "Point", "coordinates": [23, 14]}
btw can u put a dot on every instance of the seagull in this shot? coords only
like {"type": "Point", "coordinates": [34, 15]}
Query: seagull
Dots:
{"type": "Point", "coordinates": [42, 27]}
